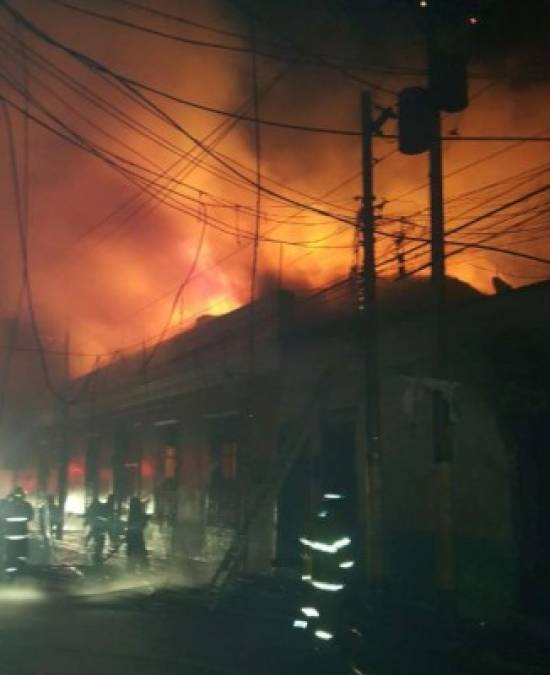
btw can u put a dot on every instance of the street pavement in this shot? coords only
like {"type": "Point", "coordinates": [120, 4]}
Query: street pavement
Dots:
{"type": "Point", "coordinates": [109, 634]}
{"type": "Point", "coordinates": [87, 623]}
{"type": "Point", "coordinates": [69, 617]}
{"type": "Point", "coordinates": [73, 549]}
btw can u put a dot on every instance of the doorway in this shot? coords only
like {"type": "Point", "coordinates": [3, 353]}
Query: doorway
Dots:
{"type": "Point", "coordinates": [532, 436]}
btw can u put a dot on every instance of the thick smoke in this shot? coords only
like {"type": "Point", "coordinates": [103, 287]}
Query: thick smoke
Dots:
{"type": "Point", "coordinates": [111, 279]}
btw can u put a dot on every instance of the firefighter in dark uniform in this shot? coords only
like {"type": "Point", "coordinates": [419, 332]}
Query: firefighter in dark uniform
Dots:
{"type": "Point", "coordinates": [17, 513]}
{"type": "Point", "coordinates": [327, 548]}
{"type": "Point", "coordinates": [135, 536]}
{"type": "Point", "coordinates": [97, 520]}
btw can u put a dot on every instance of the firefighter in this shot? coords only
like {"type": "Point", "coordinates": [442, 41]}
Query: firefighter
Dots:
{"type": "Point", "coordinates": [16, 516]}
{"type": "Point", "coordinates": [97, 518]}
{"type": "Point", "coordinates": [44, 524]}
{"type": "Point", "coordinates": [48, 519]}
{"type": "Point", "coordinates": [327, 548]}
{"type": "Point", "coordinates": [54, 511]}
{"type": "Point", "coordinates": [113, 524]}
{"type": "Point", "coordinates": [135, 537]}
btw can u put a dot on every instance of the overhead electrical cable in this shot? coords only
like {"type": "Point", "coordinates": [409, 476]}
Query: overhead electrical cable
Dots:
{"type": "Point", "coordinates": [14, 328]}
{"type": "Point", "coordinates": [534, 211]}
{"type": "Point", "coordinates": [307, 59]}
{"type": "Point", "coordinates": [303, 127]}
{"type": "Point", "coordinates": [198, 249]}
{"type": "Point", "coordinates": [470, 165]}
{"type": "Point", "coordinates": [103, 70]}
{"type": "Point", "coordinates": [109, 18]}
{"type": "Point", "coordinates": [257, 223]}
{"type": "Point", "coordinates": [27, 284]}
{"type": "Point", "coordinates": [219, 262]}
{"type": "Point", "coordinates": [213, 222]}
{"type": "Point", "coordinates": [329, 60]}
{"type": "Point", "coordinates": [112, 159]}
{"type": "Point", "coordinates": [173, 123]}
{"type": "Point", "coordinates": [499, 209]}
{"type": "Point", "coordinates": [188, 22]}
{"type": "Point", "coordinates": [465, 245]}
{"type": "Point", "coordinates": [307, 54]}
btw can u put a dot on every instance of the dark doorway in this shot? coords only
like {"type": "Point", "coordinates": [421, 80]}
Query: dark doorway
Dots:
{"type": "Point", "coordinates": [312, 475]}
{"type": "Point", "coordinates": [223, 493]}
{"type": "Point", "coordinates": [293, 510]}
{"type": "Point", "coordinates": [167, 472]}
{"type": "Point", "coordinates": [337, 470]}
{"type": "Point", "coordinates": [532, 435]}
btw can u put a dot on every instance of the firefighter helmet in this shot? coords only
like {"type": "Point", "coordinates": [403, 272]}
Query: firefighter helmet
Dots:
{"type": "Point", "coordinates": [18, 493]}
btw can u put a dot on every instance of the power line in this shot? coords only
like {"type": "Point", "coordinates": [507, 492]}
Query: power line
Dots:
{"type": "Point", "coordinates": [241, 117]}
{"type": "Point", "coordinates": [292, 242]}
{"type": "Point", "coordinates": [519, 179]}
{"type": "Point", "coordinates": [527, 177]}
{"type": "Point", "coordinates": [308, 55]}
{"type": "Point", "coordinates": [339, 283]}
{"type": "Point", "coordinates": [25, 218]}
{"type": "Point", "coordinates": [82, 143]}
{"type": "Point", "coordinates": [179, 19]}
{"type": "Point", "coordinates": [256, 241]}
{"type": "Point", "coordinates": [149, 357]}
{"type": "Point", "coordinates": [156, 137]}
{"type": "Point", "coordinates": [168, 119]}
{"type": "Point", "coordinates": [470, 165]}
{"type": "Point", "coordinates": [228, 256]}
{"type": "Point", "coordinates": [84, 118]}
{"type": "Point", "coordinates": [162, 34]}
{"type": "Point", "coordinates": [150, 107]}
{"type": "Point", "coordinates": [298, 127]}
{"type": "Point", "coordinates": [465, 245]}
{"type": "Point", "coordinates": [336, 188]}
{"type": "Point", "coordinates": [460, 137]}
{"type": "Point", "coordinates": [536, 211]}
{"type": "Point", "coordinates": [112, 159]}
{"type": "Point", "coordinates": [481, 217]}
{"type": "Point", "coordinates": [21, 227]}
{"type": "Point", "coordinates": [257, 212]}
{"type": "Point", "coordinates": [334, 60]}
{"type": "Point", "coordinates": [244, 118]}
{"type": "Point", "coordinates": [315, 60]}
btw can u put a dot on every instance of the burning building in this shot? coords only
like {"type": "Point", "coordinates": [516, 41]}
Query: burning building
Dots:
{"type": "Point", "coordinates": [204, 435]}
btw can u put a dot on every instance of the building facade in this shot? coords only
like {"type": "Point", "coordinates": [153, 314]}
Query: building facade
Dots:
{"type": "Point", "coordinates": [203, 428]}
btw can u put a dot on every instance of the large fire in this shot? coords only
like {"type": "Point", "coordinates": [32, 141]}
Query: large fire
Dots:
{"type": "Point", "coordinates": [107, 257]}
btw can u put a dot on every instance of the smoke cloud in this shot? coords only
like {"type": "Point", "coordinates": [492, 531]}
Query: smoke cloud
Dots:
{"type": "Point", "coordinates": [107, 258]}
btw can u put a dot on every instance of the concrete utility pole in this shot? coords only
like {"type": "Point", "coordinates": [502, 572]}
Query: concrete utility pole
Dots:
{"type": "Point", "coordinates": [442, 440]}
{"type": "Point", "coordinates": [372, 464]}
{"type": "Point", "coordinates": [420, 130]}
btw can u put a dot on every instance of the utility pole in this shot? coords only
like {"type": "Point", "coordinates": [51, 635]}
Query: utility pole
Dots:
{"type": "Point", "coordinates": [420, 131]}
{"type": "Point", "coordinates": [442, 441]}
{"type": "Point", "coordinates": [372, 463]}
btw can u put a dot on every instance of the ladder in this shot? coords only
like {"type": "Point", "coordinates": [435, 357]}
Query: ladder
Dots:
{"type": "Point", "coordinates": [266, 491]}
